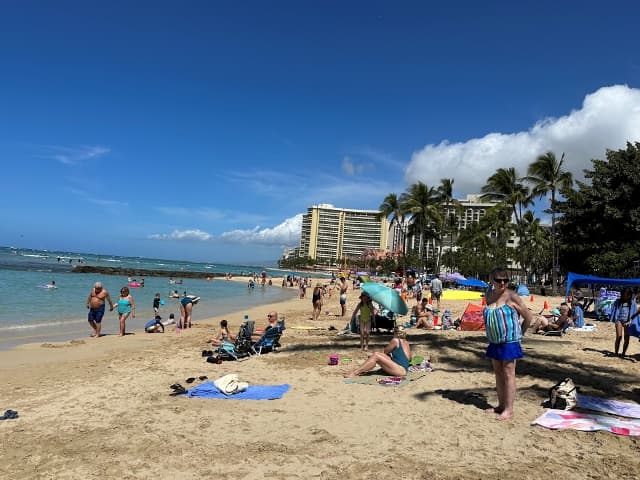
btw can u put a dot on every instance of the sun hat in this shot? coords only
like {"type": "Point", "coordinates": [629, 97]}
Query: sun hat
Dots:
{"type": "Point", "coordinates": [429, 307]}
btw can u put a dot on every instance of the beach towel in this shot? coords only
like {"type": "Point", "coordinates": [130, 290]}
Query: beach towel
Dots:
{"type": "Point", "coordinates": [563, 419]}
{"type": "Point", "coordinates": [588, 327]}
{"type": "Point", "coordinates": [616, 407]}
{"type": "Point", "coordinates": [380, 378]}
{"type": "Point", "coordinates": [253, 392]}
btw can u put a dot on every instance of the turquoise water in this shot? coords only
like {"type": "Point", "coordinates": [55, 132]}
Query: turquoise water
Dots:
{"type": "Point", "coordinates": [31, 313]}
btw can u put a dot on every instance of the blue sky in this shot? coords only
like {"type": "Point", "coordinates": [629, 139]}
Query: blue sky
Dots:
{"type": "Point", "coordinates": [203, 130]}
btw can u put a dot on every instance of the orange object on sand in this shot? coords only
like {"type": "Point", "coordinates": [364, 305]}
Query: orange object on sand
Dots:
{"type": "Point", "coordinates": [430, 300]}
{"type": "Point", "coordinates": [546, 305]}
{"type": "Point", "coordinates": [531, 298]}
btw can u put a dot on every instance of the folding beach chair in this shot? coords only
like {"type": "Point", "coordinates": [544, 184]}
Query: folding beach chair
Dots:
{"type": "Point", "coordinates": [557, 333]}
{"type": "Point", "coordinates": [239, 349]}
{"type": "Point", "coordinates": [270, 340]}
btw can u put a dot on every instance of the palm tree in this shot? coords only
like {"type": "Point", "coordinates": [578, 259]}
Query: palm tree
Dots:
{"type": "Point", "coordinates": [450, 225]}
{"type": "Point", "coordinates": [506, 186]}
{"type": "Point", "coordinates": [547, 176]}
{"type": "Point", "coordinates": [421, 202]}
{"type": "Point", "coordinates": [391, 207]}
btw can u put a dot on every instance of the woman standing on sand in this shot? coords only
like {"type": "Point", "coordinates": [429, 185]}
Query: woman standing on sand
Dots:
{"type": "Point", "coordinates": [316, 301]}
{"type": "Point", "coordinates": [126, 307]}
{"type": "Point", "coordinates": [504, 331]}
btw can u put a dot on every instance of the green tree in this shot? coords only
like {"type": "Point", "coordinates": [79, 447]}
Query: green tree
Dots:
{"type": "Point", "coordinates": [547, 176]}
{"type": "Point", "coordinates": [507, 187]}
{"type": "Point", "coordinates": [450, 214]}
{"type": "Point", "coordinates": [599, 230]}
{"type": "Point", "coordinates": [391, 209]}
{"type": "Point", "coordinates": [421, 202]}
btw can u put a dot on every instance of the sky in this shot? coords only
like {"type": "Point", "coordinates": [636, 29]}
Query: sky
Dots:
{"type": "Point", "coordinates": [203, 130]}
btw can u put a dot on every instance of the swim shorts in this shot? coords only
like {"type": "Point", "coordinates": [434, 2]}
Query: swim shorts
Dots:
{"type": "Point", "coordinates": [96, 314]}
{"type": "Point", "coordinates": [505, 351]}
{"type": "Point", "coordinates": [343, 299]}
{"type": "Point", "coordinates": [436, 294]}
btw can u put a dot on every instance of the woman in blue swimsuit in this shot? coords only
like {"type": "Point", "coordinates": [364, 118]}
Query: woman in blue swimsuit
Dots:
{"type": "Point", "coordinates": [394, 360]}
{"type": "Point", "coordinates": [504, 331]}
{"type": "Point", "coordinates": [126, 307]}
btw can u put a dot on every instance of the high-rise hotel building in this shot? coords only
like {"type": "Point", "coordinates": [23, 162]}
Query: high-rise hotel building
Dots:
{"type": "Point", "coordinates": [332, 234]}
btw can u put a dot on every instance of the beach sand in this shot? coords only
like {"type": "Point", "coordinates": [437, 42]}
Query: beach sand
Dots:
{"type": "Point", "coordinates": [102, 408]}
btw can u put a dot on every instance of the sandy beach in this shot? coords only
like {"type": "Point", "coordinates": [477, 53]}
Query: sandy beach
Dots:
{"type": "Point", "coordinates": [102, 408]}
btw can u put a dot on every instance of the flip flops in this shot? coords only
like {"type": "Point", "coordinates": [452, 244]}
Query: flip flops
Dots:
{"type": "Point", "coordinates": [9, 414]}
{"type": "Point", "coordinates": [207, 353]}
{"type": "Point", "coordinates": [178, 389]}
{"type": "Point", "coordinates": [193, 379]}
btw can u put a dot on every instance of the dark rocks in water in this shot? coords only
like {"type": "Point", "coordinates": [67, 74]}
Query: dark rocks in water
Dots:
{"type": "Point", "coordinates": [141, 272]}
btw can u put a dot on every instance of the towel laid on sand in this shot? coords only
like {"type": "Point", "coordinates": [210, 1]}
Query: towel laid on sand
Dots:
{"type": "Point", "coordinates": [586, 422]}
{"type": "Point", "coordinates": [378, 377]}
{"type": "Point", "coordinates": [616, 407]}
{"type": "Point", "coordinates": [253, 392]}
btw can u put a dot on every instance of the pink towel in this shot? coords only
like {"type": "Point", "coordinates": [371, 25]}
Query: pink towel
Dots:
{"type": "Point", "coordinates": [561, 419]}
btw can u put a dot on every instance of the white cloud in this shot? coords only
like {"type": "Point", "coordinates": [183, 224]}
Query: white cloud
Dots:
{"type": "Point", "coordinates": [74, 155]}
{"type": "Point", "coordinates": [285, 234]}
{"type": "Point", "coordinates": [182, 235]}
{"type": "Point", "coordinates": [608, 119]}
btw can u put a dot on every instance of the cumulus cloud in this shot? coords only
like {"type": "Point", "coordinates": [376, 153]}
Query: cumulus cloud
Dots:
{"type": "Point", "coordinates": [608, 119]}
{"type": "Point", "coordinates": [286, 233]}
{"type": "Point", "coordinates": [182, 235]}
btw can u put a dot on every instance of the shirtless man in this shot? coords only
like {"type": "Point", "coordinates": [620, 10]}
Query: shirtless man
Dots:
{"type": "Point", "coordinates": [95, 304]}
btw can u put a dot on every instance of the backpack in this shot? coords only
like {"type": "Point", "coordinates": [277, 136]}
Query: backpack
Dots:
{"type": "Point", "coordinates": [563, 395]}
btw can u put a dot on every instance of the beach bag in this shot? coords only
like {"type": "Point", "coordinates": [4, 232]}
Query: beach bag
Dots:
{"type": "Point", "coordinates": [563, 395]}
{"type": "Point", "coordinates": [229, 384]}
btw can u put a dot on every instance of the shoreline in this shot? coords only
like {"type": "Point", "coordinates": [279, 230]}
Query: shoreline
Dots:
{"type": "Point", "coordinates": [75, 327]}
{"type": "Point", "coordinates": [114, 393]}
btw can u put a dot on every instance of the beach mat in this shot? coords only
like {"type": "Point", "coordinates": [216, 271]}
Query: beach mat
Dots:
{"type": "Point", "coordinates": [254, 392]}
{"type": "Point", "coordinates": [586, 422]}
{"type": "Point", "coordinates": [616, 407]}
{"type": "Point", "coordinates": [375, 378]}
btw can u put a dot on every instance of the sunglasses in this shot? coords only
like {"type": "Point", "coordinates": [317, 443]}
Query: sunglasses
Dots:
{"type": "Point", "coordinates": [501, 280]}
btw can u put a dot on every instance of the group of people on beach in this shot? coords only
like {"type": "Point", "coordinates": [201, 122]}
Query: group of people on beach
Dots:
{"type": "Point", "coordinates": [99, 296]}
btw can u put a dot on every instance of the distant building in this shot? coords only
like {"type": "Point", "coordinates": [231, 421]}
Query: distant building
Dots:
{"type": "Point", "coordinates": [331, 234]}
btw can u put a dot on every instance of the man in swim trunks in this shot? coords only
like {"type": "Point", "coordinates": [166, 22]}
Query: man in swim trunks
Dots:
{"type": "Point", "coordinates": [95, 304]}
{"type": "Point", "coordinates": [343, 295]}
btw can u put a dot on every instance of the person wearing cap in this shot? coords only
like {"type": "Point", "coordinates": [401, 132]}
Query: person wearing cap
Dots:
{"type": "Point", "coordinates": [424, 314]}
{"type": "Point", "coordinates": [393, 360]}
{"type": "Point", "coordinates": [95, 303]}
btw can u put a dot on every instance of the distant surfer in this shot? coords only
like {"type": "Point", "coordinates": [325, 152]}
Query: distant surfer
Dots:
{"type": "Point", "coordinates": [95, 304]}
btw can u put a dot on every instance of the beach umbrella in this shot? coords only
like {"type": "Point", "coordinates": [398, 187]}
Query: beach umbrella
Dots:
{"type": "Point", "coordinates": [385, 296]}
{"type": "Point", "coordinates": [364, 278]}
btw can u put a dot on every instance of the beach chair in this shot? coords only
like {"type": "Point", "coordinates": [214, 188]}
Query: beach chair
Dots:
{"type": "Point", "coordinates": [557, 333]}
{"type": "Point", "coordinates": [241, 348]}
{"type": "Point", "coordinates": [270, 340]}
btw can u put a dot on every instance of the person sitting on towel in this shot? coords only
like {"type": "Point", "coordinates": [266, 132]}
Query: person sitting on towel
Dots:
{"type": "Point", "coordinates": [424, 314]}
{"type": "Point", "coordinates": [394, 360]}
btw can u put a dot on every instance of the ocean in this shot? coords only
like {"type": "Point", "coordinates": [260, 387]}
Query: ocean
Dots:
{"type": "Point", "coordinates": [30, 312]}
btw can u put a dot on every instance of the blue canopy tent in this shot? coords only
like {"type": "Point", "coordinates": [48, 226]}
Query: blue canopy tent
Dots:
{"type": "Point", "coordinates": [577, 279]}
{"type": "Point", "coordinates": [473, 282]}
